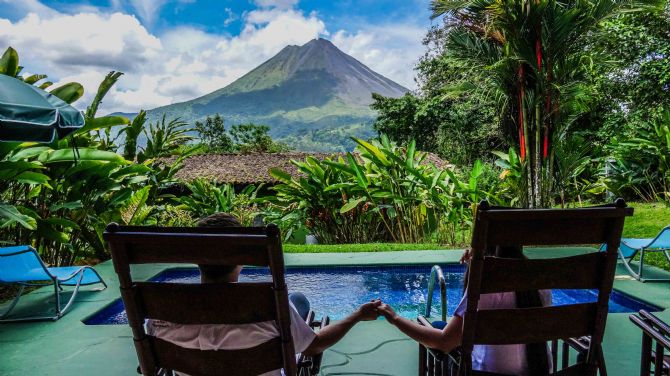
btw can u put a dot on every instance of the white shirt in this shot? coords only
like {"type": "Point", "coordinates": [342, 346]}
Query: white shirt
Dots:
{"type": "Point", "coordinates": [505, 359]}
{"type": "Point", "coordinates": [231, 337]}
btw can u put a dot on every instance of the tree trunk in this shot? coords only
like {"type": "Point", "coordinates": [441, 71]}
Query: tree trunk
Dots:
{"type": "Point", "coordinates": [537, 156]}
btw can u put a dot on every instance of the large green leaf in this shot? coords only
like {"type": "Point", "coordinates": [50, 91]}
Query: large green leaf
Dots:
{"type": "Point", "coordinates": [34, 78]}
{"type": "Point", "coordinates": [131, 170]}
{"type": "Point", "coordinates": [133, 207]}
{"type": "Point", "coordinates": [382, 194]}
{"type": "Point", "coordinates": [29, 153]}
{"type": "Point", "coordinates": [62, 222]}
{"type": "Point", "coordinates": [12, 215]}
{"type": "Point", "coordinates": [351, 204]}
{"type": "Point", "coordinates": [280, 175]}
{"type": "Point", "coordinates": [102, 122]}
{"type": "Point", "coordinates": [47, 231]}
{"type": "Point", "coordinates": [10, 169]}
{"type": "Point", "coordinates": [67, 205]}
{"type": "Point", "coordinates": [340, 166]}
{"type": "Point", "coordinates": [360, 177]}
{"type": "Point", "coordinates": [409, 162]}
{"type": "Point", "coordinates": [373, 150]}
{"type": "Point", "coordinates": [68, 155]}
{"type": "Point", "coordinates": [333, 187]}
{"type": "Point", "coordinates": [30, 177]}
{"type": "Point", "coordinates": [69, 92]}
{"type": "Point", "coordinates": [9, 62]}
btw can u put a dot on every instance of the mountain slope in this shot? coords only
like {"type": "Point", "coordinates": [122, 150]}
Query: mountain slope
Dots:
{"type": "Point", "coordinates": [300, 92]}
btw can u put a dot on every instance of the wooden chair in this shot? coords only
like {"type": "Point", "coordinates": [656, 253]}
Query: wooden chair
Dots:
{"type": "Point", "coordinates": [542, 227]}
{"type": "Point", "coordinates": [654, 330]}
{"type": "Point", "coordinates": [219, 303]}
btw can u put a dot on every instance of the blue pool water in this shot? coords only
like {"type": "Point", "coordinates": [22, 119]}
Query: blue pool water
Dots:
{"type": "Point", "coordinates": [337, 291]}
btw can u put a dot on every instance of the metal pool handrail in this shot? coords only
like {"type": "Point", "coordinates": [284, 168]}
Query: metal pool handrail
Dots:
{"type": "Point", "coordinates": [436, 271]}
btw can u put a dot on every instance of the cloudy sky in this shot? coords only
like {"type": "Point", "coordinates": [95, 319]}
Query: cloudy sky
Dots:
{"type": "Point", "coordinates": [176, 50]}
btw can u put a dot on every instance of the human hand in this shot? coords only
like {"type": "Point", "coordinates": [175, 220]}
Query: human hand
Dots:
{"type": "Point", "coordinates": [467, 255]}
{"type": "Point", "coordinates": [368, 311]}
{"type": "Point", "coordinates": [388, 312]}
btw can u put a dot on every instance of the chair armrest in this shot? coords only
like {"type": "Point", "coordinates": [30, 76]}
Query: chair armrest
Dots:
{"type": "Point", "coordinates": [312, 364]}
{"type": "Point", "coordinates": [455, 354]}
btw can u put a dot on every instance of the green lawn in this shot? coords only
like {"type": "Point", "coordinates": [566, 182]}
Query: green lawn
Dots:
{"type": "Point", "coordinates": [367, 247]}
{"type": "Point", "coordinates": [647, 221]}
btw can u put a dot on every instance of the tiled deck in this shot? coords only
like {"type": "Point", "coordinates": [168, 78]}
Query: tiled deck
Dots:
{"type": "Point", "coordinates": [68, 347]}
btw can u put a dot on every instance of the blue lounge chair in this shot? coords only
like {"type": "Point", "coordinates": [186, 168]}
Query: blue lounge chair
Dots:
{"type": "Point", "coordinates": [629, 247]}
{"type": "Point", "coordinates": [21, 265]}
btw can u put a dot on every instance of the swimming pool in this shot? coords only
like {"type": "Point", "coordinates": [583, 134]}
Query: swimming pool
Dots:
{"type": "Point", "coordinates": [337, 291]}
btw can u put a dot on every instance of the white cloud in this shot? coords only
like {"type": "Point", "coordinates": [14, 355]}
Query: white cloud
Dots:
{"type": "Point", "coordinates": [392, 50]}
{"type": "Point", "coordinates": [231, 17]}
{"type": "Point", "coordinates": [281, 4]}
{"type": "Point", "coordinates": [184, 62]}
{"type": "Point", "coordinates": [147, 10]}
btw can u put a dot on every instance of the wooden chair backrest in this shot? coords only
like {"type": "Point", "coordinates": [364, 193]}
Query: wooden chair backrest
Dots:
{"type": "Point", "coordinates": [212, 303]}
{"type": "Point", "coordinates": [541, 227]}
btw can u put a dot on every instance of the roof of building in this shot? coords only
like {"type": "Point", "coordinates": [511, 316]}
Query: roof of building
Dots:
{"type": "Point", "coordinates": [253, 167]}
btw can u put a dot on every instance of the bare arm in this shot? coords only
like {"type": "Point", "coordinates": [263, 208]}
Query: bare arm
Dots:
{"type": "Point", "coordinates": [445, 340]}
{"type": "Point", "coordinates": [334, 332]}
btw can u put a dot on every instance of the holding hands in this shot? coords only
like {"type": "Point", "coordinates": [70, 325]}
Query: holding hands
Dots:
{"type": "Point", "coordinates": [373, 309]}
{"type": "Point", "coordinates": [368, 311]}
{"type": "Point", "coordinates": [388, 312]}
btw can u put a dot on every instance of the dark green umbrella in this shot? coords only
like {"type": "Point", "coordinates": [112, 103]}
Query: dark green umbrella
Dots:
{"type": "Point", "coordinates": [28, 113]}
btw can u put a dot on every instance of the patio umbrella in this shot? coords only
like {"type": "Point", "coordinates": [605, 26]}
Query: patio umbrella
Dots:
{"type": "Point", "coordinates": [28, 113]}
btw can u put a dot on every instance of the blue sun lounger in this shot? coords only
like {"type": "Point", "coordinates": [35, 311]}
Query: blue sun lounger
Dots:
{"type": "Point", "coordinates": [631, 246]}
{"type": "Point", "coordinates": [22, 266]}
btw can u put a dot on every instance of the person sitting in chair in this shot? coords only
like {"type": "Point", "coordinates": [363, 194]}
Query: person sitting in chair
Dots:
{"type": "Point", "coordinates": [230, 337]}
{"type": "Point", "coordinates": [523, 360]}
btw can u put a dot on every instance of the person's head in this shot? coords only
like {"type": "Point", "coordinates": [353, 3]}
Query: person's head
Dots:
{"type": "Point", "coordinates": [219, 273]}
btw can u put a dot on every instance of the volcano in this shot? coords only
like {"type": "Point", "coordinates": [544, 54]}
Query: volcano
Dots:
{"type": "Point", "coordinates": [313, 97]}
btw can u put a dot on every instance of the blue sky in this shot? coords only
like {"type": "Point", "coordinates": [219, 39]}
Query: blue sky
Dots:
{"type": "Point", "coordinates": [175, 50]}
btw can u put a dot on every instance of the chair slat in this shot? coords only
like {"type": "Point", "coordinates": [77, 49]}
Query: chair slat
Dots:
{"type": "Point", "coordinates": [212, 303]}
{"type": "Point", "coordinates": [590, 213]}
{"type": "Point", "coordinates": [530, 325]}
{"type": "Point", "coordinates": [575, 272]}
{"type": "Point", "coordinates": [216, 249]}
{"type": "Point", "coordinates": [237, 230]}
{"type": "Point", "coordinates": [544, 231]}
{"type": "Point", "coordinates": [578, 369]}
{"type": "Point", "coordinates": [266, 357]}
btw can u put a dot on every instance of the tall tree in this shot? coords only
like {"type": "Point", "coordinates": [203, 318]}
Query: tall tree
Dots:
{"type": "Point", "coordinates": [213, 133]}
{"type": "Point", "coordinates": [254, 138]}
{"type": "Point", "coordinates": [535, 54]}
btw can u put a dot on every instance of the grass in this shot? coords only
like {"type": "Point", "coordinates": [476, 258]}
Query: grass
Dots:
{"type": "Point", "coordinates": [647, 221]}
{"type": "Point", "coordinates": [367, 247]}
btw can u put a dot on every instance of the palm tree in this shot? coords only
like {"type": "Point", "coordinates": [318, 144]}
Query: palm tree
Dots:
{"type": "Point", "coordinates": [535, 54]}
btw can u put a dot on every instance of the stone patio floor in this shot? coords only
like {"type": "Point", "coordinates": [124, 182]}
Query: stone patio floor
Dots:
{"type": "Point", "coordinates": [68, 347]}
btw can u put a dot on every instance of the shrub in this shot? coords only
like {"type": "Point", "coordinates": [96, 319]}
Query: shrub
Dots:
{"type": "Point", "coordinates": [383, 192]}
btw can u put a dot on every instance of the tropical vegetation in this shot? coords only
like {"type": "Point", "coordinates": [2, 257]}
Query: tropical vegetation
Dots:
{"type": "Point", "coordinates": [382, 192]}
{"type": "Point", "coordinates": [565, 85]}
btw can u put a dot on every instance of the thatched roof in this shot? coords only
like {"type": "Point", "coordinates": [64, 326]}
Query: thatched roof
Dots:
{"type": "Point", "coordinates": [253, 167]}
